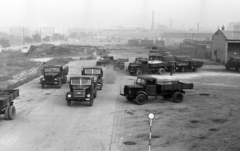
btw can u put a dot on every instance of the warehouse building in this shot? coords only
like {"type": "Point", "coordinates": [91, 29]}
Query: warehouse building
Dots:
{"type": "Point", "coordinates": [225, 44]}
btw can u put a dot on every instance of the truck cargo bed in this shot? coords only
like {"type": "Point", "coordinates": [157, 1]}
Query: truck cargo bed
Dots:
{"type": "Point", "coordinates": [7, 96]}
{"type": "Point", "coordinates": [172, 86]}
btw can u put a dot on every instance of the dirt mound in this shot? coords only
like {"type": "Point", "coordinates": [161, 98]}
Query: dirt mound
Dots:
{"type": "Point", "coordinates": [52, 50]}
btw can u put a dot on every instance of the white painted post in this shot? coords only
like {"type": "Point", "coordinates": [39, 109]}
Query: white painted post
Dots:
{"type": "Point", "coordinates": [151, 117]}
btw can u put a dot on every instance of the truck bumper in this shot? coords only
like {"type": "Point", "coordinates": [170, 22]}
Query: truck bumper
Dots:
{"type": "Point", "coordinates": [78, 99]}
{"type": "Point", "coordinates": [50, 83]}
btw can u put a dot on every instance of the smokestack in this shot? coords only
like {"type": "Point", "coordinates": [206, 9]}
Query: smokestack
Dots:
{"type": "Point", "coordinates": [152, 21]}
{"type": "Point", "coordinates": [171, 24]}
{"type": "Point", "coordinates": [223, 28]}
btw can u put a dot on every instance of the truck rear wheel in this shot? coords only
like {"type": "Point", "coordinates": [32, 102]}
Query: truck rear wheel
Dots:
{"type": "Point", "coordinates": [139, 72]}
{"type": "Point", "coordinates": [68, 102]}
{"type": "Point", "coordinates": [6, 112]}
{"type": "Point", "coordinates": [194, 69]}
{"type": "Point", "coordinates": [11, 112]}
{"type": "Point", "coordinates": [177, 97]}
{"type": "Point", "coordinates": [161, 71]}
{"type": "Point", "coordinates": [141, 98]}
{"type": "Point", "coordinates": [167, 97]}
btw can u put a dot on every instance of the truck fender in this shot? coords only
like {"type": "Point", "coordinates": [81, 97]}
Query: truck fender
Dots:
{"type": "Point", "coordinates": [142, 92]}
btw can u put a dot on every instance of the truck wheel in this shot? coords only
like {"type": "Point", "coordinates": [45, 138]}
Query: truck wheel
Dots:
{"type": "Point", "coordinates": [194, 69]}
{"type": "Point", "coordinates": [42, 86]}
{"type": "Point", "coordinates": [161, 71]}
{"type": "Point", "coordinates": [130, 99]}
{"type": "Point", "coordinates": [183, 69]}
{"type": "Point", "coordinates": [68, 102]}
{"type": "Point", "coordinates": [91, 102]}
{"type": "Point", "coordinates": [141, 98]}
{"type": "Point", "coordinates": [139, 72]}
{"type": "Point", "coordinates": [60, 84]}
{"type": "Point", "coordinates": [177, 97]}
{"type": "Point", "coordinates": [11, 112]}
{"type": "Point", "coordinates": [167, 97]}
{"type": "Point", "coordinates": [6, 112]}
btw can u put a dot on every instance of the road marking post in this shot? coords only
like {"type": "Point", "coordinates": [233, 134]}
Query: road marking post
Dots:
{"type": "Point", "coordinates": [151, 117]}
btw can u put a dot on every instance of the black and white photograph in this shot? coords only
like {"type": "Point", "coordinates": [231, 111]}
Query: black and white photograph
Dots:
{"type": "Point", "coordinates": [120, 75]}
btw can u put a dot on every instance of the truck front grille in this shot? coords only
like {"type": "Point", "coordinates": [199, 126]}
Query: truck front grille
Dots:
{"type": "Point", "coordinates": [78, 93]}
{"type": "Point", "coordinates": [49, 78]}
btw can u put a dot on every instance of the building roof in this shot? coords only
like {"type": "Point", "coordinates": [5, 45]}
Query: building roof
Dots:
{"type": "Point", "coordinates": [231, 35]}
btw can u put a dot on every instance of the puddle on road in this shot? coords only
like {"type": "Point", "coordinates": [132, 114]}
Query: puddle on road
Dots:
{"type": "Point", "coordinates": [129, 143]}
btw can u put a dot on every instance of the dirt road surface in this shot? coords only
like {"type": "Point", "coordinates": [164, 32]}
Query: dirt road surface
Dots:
{"type": "Point", "coordinates": [207, 119]}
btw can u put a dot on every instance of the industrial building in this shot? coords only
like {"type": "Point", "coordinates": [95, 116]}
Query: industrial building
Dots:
{"type": "Point", "coordinates": [225, 44]}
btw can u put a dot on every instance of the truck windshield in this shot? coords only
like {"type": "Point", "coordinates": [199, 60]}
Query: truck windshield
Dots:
{"type": "Point", "coordinates": [92, 71]}
{"type": "Point", "coordinates": [141, 81]}
{"type": "Point", "coordinates": [51, 69]}
{"type": "Point", "coordinates": [81, 81]}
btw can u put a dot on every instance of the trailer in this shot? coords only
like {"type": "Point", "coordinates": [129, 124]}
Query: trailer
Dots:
{"type": "Point", "coordinates": [146, 86]}
{"type": "Point", "coordinates": [6, 103]}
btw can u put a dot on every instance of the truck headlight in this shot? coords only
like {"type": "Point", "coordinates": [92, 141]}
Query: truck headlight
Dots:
{"type": "Point", "coordinates": [69, 95]}
{"type": "Point", "coordinates": [88, 95]}
{"type": "Point", "coordinates": [43, 79]}
{"type": "Point", "coordinates": [55, 79]}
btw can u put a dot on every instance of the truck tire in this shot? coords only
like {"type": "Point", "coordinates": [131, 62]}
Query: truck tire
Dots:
{"type": "Point", "coordinates": [183, 69]}
{"type": "Point", "coordinates": [11, 112]}
{"type": "Point", "coordinates": [167, 97]}
{"type": "Point", "coordinates": [42, 85]}
{"type": "Point", "coordinates": [177, 97]}
{"type": "Point", "coordinates": [130, 99]}
{"type": "Point", "coordinates": [194, 69]}
{"type": "Point", "coordinates": [6, 112]}
{"type": "Point", "coordinates": [60, 84]}
{"type": "Point", "coordinates": [161, 71]}
{"type": "Point", "coordinates": [91, 102]}
{"type": "Point", "coordinates": [141, 98]}
{"type": "Point", "coordinates": [68, 102]}
{"type": "Point", "coordinates": [139, 72]}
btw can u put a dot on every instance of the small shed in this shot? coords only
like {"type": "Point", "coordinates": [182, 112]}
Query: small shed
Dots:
{"type": "Point", "coordinates": [225, 44]}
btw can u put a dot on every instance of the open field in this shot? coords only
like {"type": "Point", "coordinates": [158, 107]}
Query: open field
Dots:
{"type": "Point", "coordinates": [207, 119]}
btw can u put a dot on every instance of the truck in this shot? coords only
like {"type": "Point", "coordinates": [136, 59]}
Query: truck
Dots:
{"type": "Point", "coordinates": [94, 71]}
{"type": "Point", "coordinates": [146, 86]}
{"type": "Point", "coordinates": [147, 66]}
{"type": "Point", "coordinates": [233, 63]}
{"type": "Point", "coordinates": [82, 88]}
{"type": "Point", "coordinates": [54, 75]}
{"type": "Point", "coordinates": [6, 103]}
{"type": "Point", "coordinates": [109, 61]}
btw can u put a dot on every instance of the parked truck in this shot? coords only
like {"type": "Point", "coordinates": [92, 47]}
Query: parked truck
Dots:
{"type": "Point", "coordinates": [109, 61]}
{"type": "Point", "coordinates": [146, 86]}
{"type": "Point", "coordinates": [233, 63]}
{"type": "Point", "coordinates": [97, 71]}
{"type": "Point", "coordinates": [82, 88]}
{"type": "Point", "coordinates": [6, 103]}
{"type": "Point", "coordinates": [145, 66]}
{"type": "Point", "coordinates": [54, 75]}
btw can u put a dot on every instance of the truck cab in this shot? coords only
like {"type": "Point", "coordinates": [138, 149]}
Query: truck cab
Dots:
{"type": "Point", "coordinates": [105, 60]}
{"type": "Point", "coordinates": [54, 75]}
{"type": "Point", "coordinates": [82, 88]}
{"type": "Point", "coordinates": [97, 71]}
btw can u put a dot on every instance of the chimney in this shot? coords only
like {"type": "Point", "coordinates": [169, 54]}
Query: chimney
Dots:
{"type": "Point", "coordinates": [152, 21]}
{"type": "Point", "coordinates": [223, 28]}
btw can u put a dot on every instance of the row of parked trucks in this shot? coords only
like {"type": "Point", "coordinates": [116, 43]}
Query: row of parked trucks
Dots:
{"type": "Point", "coordinates": [159, 64]}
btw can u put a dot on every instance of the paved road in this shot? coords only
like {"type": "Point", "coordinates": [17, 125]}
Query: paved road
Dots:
{"type": "Point", "coordinates": [45, 122]}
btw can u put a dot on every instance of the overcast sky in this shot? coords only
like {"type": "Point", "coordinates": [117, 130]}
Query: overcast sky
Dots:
{"type": "Point", "coordinates": [127, 13]}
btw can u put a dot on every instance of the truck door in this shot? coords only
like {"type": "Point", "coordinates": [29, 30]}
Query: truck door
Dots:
{"type": "Point", "coordinates": [145, 66]}
{"type": "Point", "coordinates": [150, 87]}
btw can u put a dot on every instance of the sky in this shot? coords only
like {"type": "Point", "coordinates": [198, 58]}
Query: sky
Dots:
{"type": "Point", "coordinates": [104, 14]}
